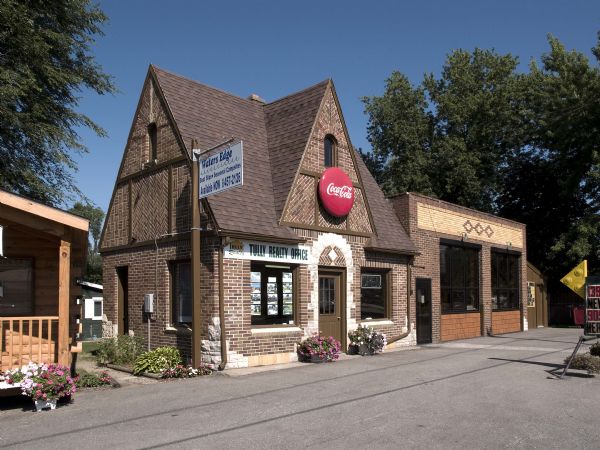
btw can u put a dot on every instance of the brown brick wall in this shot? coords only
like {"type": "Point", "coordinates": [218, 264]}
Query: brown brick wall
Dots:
{"type": "Point", "coordinates": [329, 123]}
{"type": "Point", "coordinates": [116, 231]}
{"type": "Point", "coordinates": [460, 326]}
{"type": "Point", "coordinates": [149, 273]}
{"type": "Point", "coordinates": [426, 264]}
{"type": "Point", "coordinates": [150, 109]}
{"type": "Point", "coordinates": [506, 321]}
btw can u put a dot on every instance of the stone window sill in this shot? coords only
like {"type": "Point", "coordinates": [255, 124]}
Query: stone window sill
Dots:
{"type": "Point", "coordinates": [378, 322]}
{"type": "Point", "coordinates": [179, 330]}
{"type": "Point", "coordinates": [271, 330]}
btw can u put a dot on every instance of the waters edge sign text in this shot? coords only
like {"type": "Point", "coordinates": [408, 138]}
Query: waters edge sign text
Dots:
{"type": "Point", "coordinates": [221, 171]}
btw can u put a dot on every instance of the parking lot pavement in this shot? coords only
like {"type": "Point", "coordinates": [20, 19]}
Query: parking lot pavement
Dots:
{"type": "Point", "coordinates": [493, 392]}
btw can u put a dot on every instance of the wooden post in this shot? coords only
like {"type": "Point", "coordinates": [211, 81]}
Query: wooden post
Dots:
{"type": "Point", "coordinates": [64, 285]}
{"type": "Point", "coordinates": [196, 332]}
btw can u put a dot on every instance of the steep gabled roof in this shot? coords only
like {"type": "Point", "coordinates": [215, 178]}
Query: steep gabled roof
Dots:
{"type": "Point", "coordinates": [289, 122]}
{"type": "Point", "coordinates": [275, 137]}
{"type": "Point", "coordinates": [210, 115]}
{"type": "Point", "coordinates": [390, 232]}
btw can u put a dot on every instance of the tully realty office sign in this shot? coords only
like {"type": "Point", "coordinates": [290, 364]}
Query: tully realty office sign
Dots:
{"type": "Point", "coordinates": [221, 171]}
{"type": "Point", "coordinates": [264, 251]}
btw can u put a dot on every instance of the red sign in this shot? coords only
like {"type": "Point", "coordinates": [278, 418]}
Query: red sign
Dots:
{"type": "Point", "coordinates": [592, 310]}
{"type": "Point", "coordinates": [336, 192]}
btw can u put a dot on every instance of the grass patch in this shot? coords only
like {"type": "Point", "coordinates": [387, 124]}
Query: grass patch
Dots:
{"type": "Point", "coordinates": [90, 346]}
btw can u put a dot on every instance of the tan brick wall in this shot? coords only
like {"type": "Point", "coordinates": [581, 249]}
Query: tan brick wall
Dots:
{"type": "Point", "coordinates": [427, 264]}
{"type": "Point", "coordinates": [506, 321]}
{"type": "Point", "coordinates": [457, 223]}
{"type": "Point", "coordinates": [460, 326]}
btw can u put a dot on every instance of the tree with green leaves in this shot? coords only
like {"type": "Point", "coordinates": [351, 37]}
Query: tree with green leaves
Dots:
{"type": "Point", "coordinates": [525, 146]}
{"type": "Point", "coordinates": [45, 61]}
{"type": "Point", "coordinates": [93, 270]}
{"type": "Point", "coordinates": [553, 183]}
{"type": "Point", "coordinates": [447, 136]}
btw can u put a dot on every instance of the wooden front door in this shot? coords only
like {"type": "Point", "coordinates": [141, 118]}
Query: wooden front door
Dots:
{"type": "Point", "coordinates": [423, 311]}
{"type": "Point", "coordinates": [123, 300]}
{"type": "Point", "coordinates": [331, 304]}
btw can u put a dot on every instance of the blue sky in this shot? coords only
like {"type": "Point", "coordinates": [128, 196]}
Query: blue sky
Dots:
{"type": "Point", "coordinates": [274, 48]}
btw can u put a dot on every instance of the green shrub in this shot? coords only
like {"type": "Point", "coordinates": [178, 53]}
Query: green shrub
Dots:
{"type": "Point", "coordinates": [157, 360]}
{"type": "Point", "coordinates": [121, 350]}
{"type": "Point", "coordinates": [585, 362]}
{"type": "Point", "coordinates": [90, 379]}
{"type": "Point", "coordinates": [595, 349]}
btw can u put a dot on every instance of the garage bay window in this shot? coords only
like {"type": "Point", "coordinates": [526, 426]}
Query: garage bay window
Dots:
{"type": "Point", "coordinates": [374, 296]}
{"type": "Point", "coordinates": [271, 294]}
{"type": "Point", "coordinates": [505, 281]}
{"type": "Point", "coordinates": [459, 278]}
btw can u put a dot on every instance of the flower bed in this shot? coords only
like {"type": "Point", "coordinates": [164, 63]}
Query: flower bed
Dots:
{"type": "Point", "coordinates": [181, 371]}
{"type": "Point", "coordinates": [45, 384]}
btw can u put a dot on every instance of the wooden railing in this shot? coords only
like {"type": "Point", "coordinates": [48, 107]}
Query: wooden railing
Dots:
{"type": "Point", "coordinates": [25, 339]}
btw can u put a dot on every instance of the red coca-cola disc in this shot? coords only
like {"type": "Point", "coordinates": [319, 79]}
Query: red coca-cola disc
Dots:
{"type": "Point", "coordinates": [336, 192]}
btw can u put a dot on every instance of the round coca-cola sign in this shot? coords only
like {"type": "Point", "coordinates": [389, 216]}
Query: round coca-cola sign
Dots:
{"type": "Point", "coordinates": [336, 192]}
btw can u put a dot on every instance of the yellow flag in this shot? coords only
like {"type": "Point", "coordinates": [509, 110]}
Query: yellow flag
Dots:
{"type": "Point", "coordinates": [575, 279]}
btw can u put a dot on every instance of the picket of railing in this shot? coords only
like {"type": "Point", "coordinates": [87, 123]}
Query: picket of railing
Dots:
{"type": "Point", "coordinates": [24, 339]}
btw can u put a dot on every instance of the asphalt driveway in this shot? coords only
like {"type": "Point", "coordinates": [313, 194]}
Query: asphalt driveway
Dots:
{"type": "Point", "coordinates": [492, 392]}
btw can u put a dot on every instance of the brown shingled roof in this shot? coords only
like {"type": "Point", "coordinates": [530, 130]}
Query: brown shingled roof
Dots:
{"type": "Point", "coordinates": [209, 115]}
{"type": "Point", "coordinates": [289, 122]}
{"type": "Point", "coordinates": [275, 137]}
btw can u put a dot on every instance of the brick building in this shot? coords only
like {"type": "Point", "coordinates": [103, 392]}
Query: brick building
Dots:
{"type": "Point", "coordinates": [471, 274]}
{"type": "Point", "coordinates": [277, 263]}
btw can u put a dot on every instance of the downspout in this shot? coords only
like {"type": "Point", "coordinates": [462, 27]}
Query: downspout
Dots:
{"type": "Point", "coordinates": [408, 287]}
{"type": "Point", "coordinates": [222, 309]}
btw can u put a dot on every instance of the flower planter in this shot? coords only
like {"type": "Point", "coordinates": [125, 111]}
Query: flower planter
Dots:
{"type": "Point", "coordinates": [364, 350]}
{"type": "Point", "coordinates": [318, 359]}
{"type": "Point", "coordinates": [40, 405]}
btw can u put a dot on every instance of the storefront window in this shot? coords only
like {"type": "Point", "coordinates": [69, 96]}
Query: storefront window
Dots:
{"type": "Point", "coordinates": [505, 281]}
{"type": "Point", "coordinates": [373, 294]}
{"type": "Point", "coordinates": [16, 287]}
{"type": "Point", "coordinates": [459, 278]}
{"type": "Point", "coordinates": [271, 294]}
{"type": "Point", "coordinates": [181, 302]}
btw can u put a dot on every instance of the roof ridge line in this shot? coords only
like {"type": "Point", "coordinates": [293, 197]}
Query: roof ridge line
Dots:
{"type": "Point", "coordinates": [327, 80]}
{"type": "Point", "coordinates": [208, 86]}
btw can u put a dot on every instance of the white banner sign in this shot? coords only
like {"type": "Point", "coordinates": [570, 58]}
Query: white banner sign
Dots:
{"type": "Point", "coordinates": [221, 171]}
{"type": "Point", "coordinates": [263, 251]}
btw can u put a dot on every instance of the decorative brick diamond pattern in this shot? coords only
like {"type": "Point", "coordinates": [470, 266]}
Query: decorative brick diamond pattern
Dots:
{"type": "Point", "coordinates": [456, 221]}
{"type": "Point", "coordinates": [359, 217]}
{"type": "Point", "coordinates": [149, 212]}
{"type": "Point", "coordinates": [302, 208]}
{"type": "Point", "coordinates": [116, 226]}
